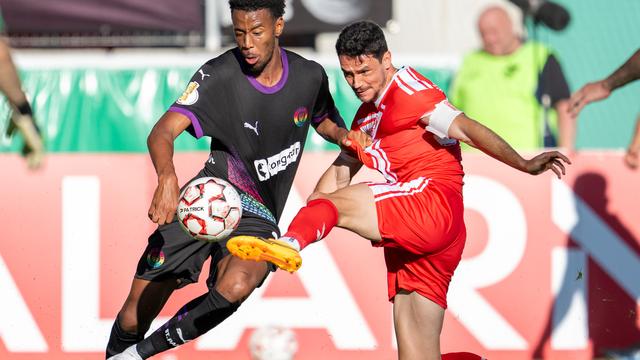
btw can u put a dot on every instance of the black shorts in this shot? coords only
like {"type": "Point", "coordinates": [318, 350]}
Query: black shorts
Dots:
{"type": "Point", "coordinates": [172, 253]}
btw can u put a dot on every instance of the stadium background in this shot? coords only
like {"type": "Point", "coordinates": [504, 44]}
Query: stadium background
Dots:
{"type": "Point", "coordinates": [73, 229]}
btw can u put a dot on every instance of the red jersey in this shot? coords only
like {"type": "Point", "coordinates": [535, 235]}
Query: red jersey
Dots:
{"type": "Point", "coordinates": [401, 150]}
{"type": "Point", "coordinates": [419, 209]}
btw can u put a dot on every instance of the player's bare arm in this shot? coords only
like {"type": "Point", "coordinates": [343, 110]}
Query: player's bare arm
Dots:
{"type": "Point", "coordinates": [599, 90]}
{"type": "Point", "coordinates": [339, 174]}
{"type": "Point", "coordinates": [330, 131]}
{"type": "Point", "coordinates": [161, 146]}
{"type": "Point", "coordinates": [477, 135]}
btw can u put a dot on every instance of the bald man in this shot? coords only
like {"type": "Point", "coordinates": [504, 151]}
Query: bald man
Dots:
{"type": "Point", "coordinates": [515, 88]}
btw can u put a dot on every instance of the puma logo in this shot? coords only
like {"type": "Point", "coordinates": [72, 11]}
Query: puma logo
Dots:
{"type": "Point", "coordinates": [252, 127]}
{"type": "Point", "coordinates": [202, 74]}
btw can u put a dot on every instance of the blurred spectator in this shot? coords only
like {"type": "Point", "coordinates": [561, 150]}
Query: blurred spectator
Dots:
{"type": "Point", "coordinates": [22, 116]}
{"type": "Point", "coordinates": [515, 88]}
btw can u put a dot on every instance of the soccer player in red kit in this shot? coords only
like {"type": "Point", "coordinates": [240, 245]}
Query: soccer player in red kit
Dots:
{"type": "Point", "coordinates": [411, 135]}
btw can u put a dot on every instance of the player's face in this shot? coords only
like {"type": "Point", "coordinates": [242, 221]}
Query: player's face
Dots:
{"type": "Point", "coordinates": [367, 75]}
{"type": "Point", "coordinates": [256, 35]}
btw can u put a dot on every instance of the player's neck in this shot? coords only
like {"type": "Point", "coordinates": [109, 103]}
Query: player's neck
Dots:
{"type": "Point", "coordinates": [389, 73]}
{"type": "Point", "coordinates": [273, 71]}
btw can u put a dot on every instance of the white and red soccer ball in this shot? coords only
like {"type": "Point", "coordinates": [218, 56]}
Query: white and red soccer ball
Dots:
{"type": "Point", "coordinates": [209, 209]}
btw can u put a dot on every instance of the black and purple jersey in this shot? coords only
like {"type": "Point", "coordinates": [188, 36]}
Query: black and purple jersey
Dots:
{"type": "Point", "coordinates": [257, 132]}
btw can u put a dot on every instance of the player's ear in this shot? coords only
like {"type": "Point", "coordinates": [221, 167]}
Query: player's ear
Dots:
{"type": "Point", "coordinates": [279, 26]}
{"type": "Point", "coordinates": [386, 60]}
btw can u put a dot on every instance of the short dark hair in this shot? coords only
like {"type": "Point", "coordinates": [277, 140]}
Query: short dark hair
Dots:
{"type": "Point", "coordinates": [362, 38]}
{"type": "Point", "coordinates": [276, 7]}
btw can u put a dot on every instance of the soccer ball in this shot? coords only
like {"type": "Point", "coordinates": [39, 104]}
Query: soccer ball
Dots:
{"type": "Point", "coordinates": [273, 343]}
{"type": "Point", "coordinates": [209, 209]}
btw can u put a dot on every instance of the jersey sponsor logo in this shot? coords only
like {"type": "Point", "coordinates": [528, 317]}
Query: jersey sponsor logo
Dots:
{"type": "Point", "coordinates": [190, 95]}
{"type": "Point", "coordinates": [266, 168]}
{"type": "Point", "coordinates": [300, 116]}
{"type": "Point", "coordinates": [252, 127]}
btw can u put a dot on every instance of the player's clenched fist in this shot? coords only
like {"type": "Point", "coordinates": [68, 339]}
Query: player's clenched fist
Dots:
{"type": "Point", "coordinates": [165, 200]}
{"type": "Point", "coordinates": [355, 136]}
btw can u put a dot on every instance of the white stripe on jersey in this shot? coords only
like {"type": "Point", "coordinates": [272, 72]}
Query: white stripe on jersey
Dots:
{"type": "Point", "coordinates": [385, 191]}
{"type": "Point", "coordinates": [386, 162]}
{"type": "Point", "coordinates": [413, 83]}
{"type": "Point", "coordinates": [381, 161]}
{"type": "Point", "coordinates": [365, 119]}
{"type": "Point", "coordinates": [414, 76]}
{"type": "Point", "coordinates": [403, 87]}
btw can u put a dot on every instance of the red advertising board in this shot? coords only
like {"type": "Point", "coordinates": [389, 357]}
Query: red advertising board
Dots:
{"type": "Point", "coordinates": [550, 269]}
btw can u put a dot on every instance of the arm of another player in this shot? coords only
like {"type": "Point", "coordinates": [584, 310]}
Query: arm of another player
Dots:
{"type": "Point", "coordinates": [599, 90]}
{"type": "Point", "coordinates": [161, 146]}
{"type": "Point", "coordinates": [330, 131]}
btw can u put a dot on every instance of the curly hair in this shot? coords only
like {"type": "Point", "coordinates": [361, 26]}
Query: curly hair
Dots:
{"type": "Point", "coordinates": [276, 7]}
{"type": "Point", "coordinates": [362, 38]}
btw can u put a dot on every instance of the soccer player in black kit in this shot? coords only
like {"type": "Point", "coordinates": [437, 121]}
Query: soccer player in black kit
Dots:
{"type": "Point", "coordinates": [256, 102]}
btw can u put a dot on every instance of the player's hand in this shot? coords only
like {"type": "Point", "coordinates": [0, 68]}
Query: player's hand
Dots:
{"type": "Point", "coordinates": [355, 142]}
{"type": "Point", "coordinates": [551, 160]}
{"type": "Point", "coordinates": [354, 136]}
{"type": "Point", "coordinates": [631, 159]}
{"type": "Point", "coordinates": [33, 149]}
{"type": "Point", "coordinates": [591, 92]}
{"type": "Point", "coordinates": [165, 200]}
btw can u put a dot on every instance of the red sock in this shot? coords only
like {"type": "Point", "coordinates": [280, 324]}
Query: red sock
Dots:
{"type": "Point", "coordinates": [461, 356]}
{"type": "Point", "coordinates": [313, 222]}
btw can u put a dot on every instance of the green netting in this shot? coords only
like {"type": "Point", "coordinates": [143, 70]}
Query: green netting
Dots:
{"type": "Point", "coordinates": [113, 110]}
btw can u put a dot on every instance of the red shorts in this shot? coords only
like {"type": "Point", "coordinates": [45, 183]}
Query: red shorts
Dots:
{"type": "Point", "coordinates": [423, 232]}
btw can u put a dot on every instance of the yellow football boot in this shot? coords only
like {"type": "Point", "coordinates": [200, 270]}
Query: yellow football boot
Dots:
{"type": "Point", "coordinates": [274, 251]}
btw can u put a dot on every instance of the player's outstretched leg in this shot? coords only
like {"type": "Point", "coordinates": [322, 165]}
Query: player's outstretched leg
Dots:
{"type": "Point", "coordinates": [312, 223]}
{"type": "Point", "coordinates": [277, 252]}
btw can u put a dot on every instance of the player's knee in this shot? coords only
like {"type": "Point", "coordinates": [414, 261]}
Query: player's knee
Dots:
{"type": "Point", "coordinates": [128, 321]}
{"type": "Point", "coordinates": [236, 287]}
{"type": "Point", "coordinates": [129, 317]}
